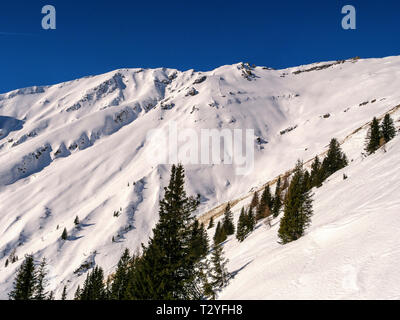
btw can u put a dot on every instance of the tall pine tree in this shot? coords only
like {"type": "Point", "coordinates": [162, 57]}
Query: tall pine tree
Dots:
{"type": "Point", "coordinates": [372, 142]}
{"type": "Point", "coordinates": [241, 230]}
{"type": "Point", "coordinates": [93, 287]}
{"type": "Point", "coordinates": [41, 281]}
{"type": "Point", "coordinates": [167, 269]}
{"type": "Point", "coordinates": [219, 275]}
{"type": "Point", "coordinates": [227, 222]}
{"type": "Point", "coordinates": [277, 199]}
{"type": "Point", "coordinates": [335, 159]}
{"type": "Point", "coordinates": [265, 204]}
{"type": "Point", "coordinates": [298, 208]}
{"type": "Point", "coordinates": [120, 281]}
{"type": "Point", "coordinates": [388, 130]}
{"type": "Point", "coordinates": [24, 283]}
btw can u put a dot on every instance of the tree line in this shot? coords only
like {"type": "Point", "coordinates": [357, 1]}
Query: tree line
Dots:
{"type": "Point", "coordinates": [296, 201]}
{"type": "Point", "coordinates": [174, 264]}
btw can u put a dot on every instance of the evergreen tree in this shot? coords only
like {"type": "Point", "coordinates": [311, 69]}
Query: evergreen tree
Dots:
{"type": "Point", "coordinates": [220, 234]}
{"type": "Point", "coordinates": [76, 221]}
{"type": "Point", "coordinates": [388, 130]}
{"type": "Point", "coordinates": [78, 293]}
{"type": "Point", "coordinates": [219, 275]}
{"type": "Point", "coordinates": [241, 230]}
{"type": "Point", "coordinates": [199, 242]}
{"type": "Point", "coordinates": [206, 287]}
{"type": "Point", "coordinates": [277, 199]}
{"type": "Point", "coordinates": [227, 222]}
{"type": "Point", "coordinates": [265, 204]}
{"type": "Point", "coordinates": [167, 269]}
{"type": "Point", "coordinates": [317, 173]}
{"type": "Point", "coordinates": [211, 224]}
{"type": "Point", "coordinates": [51, 296]}
{"type": "Point", "coordinates": [120, 281]}
{"type": "Point", "coordinates": [335, 159]}
{"type": "Point", "coordinates": [24, 283]}
{"type": "Point", "coordinates": [64, 235]}
{"type": "Point", "coordinates": [41, 281]}
{"type": "Point", "coordinates": [133, 270]}
{"type": "Point", "coordinates": [64, 293]}
{"type": "Point", "coordinates": [373, 137]}
{"type": "Point", "coordinates": [250, 221]}
{"type": "Point", "coordinates": [254, 200]}
{"type": "Point", "coordinates": [298, 208]}
{"type": "Point", "coordinates": [307, 180]}
{"type": "Point", "coordinates": [93, 287]}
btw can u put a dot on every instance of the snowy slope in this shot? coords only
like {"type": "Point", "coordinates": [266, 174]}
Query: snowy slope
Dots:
{"type": "Point", "coordinates": [80, 148]}
{"type": "Point", "coordinates": [351, 250]}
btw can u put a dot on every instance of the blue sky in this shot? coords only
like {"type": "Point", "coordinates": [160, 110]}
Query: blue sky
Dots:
{"type": "Point", "coordinates": [94, 37]}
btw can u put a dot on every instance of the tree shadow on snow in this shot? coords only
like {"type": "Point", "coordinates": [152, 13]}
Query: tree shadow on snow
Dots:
{"type": "Point", "coordinates": [234, 273]}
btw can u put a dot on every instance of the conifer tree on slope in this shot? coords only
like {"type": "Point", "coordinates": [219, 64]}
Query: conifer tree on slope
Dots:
{"type": "Point", "coordinates": [241, 230]}
{"type": "Point", "coordinates": [277, 199]}
{"type": "Point", "coordinates": [227, 222]}
{"type": "Point", "coordinates": [335, 159]}
{"type": "Point", "coordinates": [388, 130]}
{"type": "Point", "coordinates": [78, 292]}
{"type": "Point", "coordinates": [51, 295]}
{"type": "Point", "coordinates": [211, 224]}
{"type": "Point", "coordinates": [120, 281]}
{"type": "Point", "coordinates": [207, 290]}
{"type": "Point", "coordinates": [250, 220]}
{"type": "Point", "coordinates": [199, 243]}
{"type": "Point", "coordinates": [41, 281]}
{"type": "Point", "coordinates": [317, 175]}
{"type": "Point", "coordinates": [217, 233]}
{"type": "Point", "coordinates": [64, 235]}
{"type": "Point", "coordinates": [93, 287]}
{"type": "Point", "coordinates": [130, 291]}
{"type": "Point", "coordinates": [307, 180]}
{"type": "Point", "coordinates": [24, 283]}
{"type": "Point", "coordinates": [254, 201]}
{"type": "Point", "coordinates": [219, 275]}
{"type": "Point", "coordinates": [373, 137]}
{"type": "Point", "coordinates": [220, 234]}
{"type": "Point", "coordinates": [166, 269]}
{"type": "Point", "coordinates": [298, 208]}
{"type": "Point", "coordinates": [265, 204]}
{"type": "Point", "coordinates": [64, 293]}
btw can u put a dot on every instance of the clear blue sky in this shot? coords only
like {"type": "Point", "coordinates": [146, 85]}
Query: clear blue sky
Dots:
{"type": "Point", "coordinates": [94, 37]}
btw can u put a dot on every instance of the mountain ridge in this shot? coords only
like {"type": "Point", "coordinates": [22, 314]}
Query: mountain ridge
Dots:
{"type": "Point", "coordinates": [80, 162]}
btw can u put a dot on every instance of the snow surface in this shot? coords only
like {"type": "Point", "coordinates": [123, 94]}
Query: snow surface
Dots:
{"type": "Point", "coordinates": [351, 250]}
{"type": "Point", "coordinates": [80, 148]}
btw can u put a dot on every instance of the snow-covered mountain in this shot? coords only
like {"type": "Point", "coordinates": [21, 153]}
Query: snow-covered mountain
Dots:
{"type": "Point", "coordinates": [80, 148]}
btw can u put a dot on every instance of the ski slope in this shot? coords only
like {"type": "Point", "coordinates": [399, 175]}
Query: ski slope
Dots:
{"type": "Point", "coordinates": [80, 148]}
